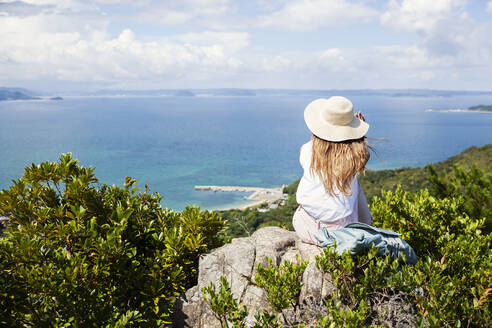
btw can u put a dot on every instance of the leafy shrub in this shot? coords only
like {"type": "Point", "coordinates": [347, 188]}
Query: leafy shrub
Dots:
{"type": "Point", "coordinates": [360, 282]}
{"type": "Point", "coordinates": [475, 186]}
{"type": "Point", "coordinates": [372, 182]}
{"type": "Point", "coordinates": [224, 305]}
{"type": "Point", "coordinates": [449, 286]}
{"type": "Point", "coordinates": [80, 254]}
{"type": "Point", "coordinates": [282, 284]}
{"type": "Point", "coordinates": [456, 262]}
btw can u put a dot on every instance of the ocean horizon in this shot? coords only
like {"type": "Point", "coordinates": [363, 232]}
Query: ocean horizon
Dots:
{"type": "Point", "coordinates": [173, 143]}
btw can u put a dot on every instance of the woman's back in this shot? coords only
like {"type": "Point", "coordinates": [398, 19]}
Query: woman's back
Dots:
{"type": "Point", "coordinates": [311, 194]}
{"type": "Point", "coordinates": [329, 194]}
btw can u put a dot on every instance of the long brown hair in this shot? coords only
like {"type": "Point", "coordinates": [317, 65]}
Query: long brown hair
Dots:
{"type": "Point", "coordinates": [338, 163]}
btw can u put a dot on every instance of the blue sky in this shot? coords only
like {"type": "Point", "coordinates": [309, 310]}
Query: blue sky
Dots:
{"type": "Point", "coordinates": [322, 44]}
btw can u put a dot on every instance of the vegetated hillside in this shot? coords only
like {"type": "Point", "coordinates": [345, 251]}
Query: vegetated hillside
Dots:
{"type": "Point", "coordinates": [16, 94]}
{"type": "Point", "coordinates": [448, 286]}
{"type": "Point", "coordinates": [243, 222]}
{"type": "Point", "coordinates": [78, 253]}
{"type": "Point", "coordinates": [481, 108]}
{"type": "Point", "coordinates": [413, 179]}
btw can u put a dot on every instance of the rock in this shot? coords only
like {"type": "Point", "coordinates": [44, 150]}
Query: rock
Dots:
{"type": "Point", "coordinates": [234, 261]}
{"type": "Point", "coordinates": [256, 299]}
{"type": "Point", "coordinates": [238, 262]}
{"type": "Point", "coordinates": [272, 242]}
{"type": "Point", "coordinates": [188, 315]}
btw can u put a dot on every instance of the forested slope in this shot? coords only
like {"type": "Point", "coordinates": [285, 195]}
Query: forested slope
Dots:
{"type": "Point", "coordinates": [242, 222]}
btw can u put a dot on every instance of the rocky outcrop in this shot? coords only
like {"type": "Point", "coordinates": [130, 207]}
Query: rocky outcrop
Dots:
{"type": "Point", "coordinates": [237, 261]}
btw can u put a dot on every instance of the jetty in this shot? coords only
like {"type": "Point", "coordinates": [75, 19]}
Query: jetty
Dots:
{"type": "Point", "coordinates": [259, 195]}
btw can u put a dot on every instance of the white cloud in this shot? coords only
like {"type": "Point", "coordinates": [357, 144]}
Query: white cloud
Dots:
{"type": "Point", "coordinates": [158, 12]}
{"type": "Point", "coordinates": [209, 13]}
{"type": "Point", "coordinates": [377, 67]}
{"type": "Point", "coordinates": [164, 17]}
{"type": "Point", "coordinates": [48, 7]}
{"type": "Point", "coordinates": [333, 54]}
{"type": "Point", "coordinates": [419, 15]}
{"type": "Point", "coordinates": [121, 2]}
{"type": "Point", "coordinates": [335, 60]}
{"type": "Point", "coordinates": [278, 63]}
{"type": "Point", "coordinates": [33, 2]}
{"type": "Point", "coordinates": [234, 41]}
{"type": "Point", "coordinates": [312, 14]}
{"type": "Point", "coordinates": [55, 44]}
{"type": "Point", "coordinates": [204, 46]}
{"type": "Point", "coordinates": [427, 75]}
{"type": "Point", "coordinates": [449, 38]}
{"type": "Point", "coordinates": [37, 51]}
{"type": "Point", "coordinates": [489, 7]}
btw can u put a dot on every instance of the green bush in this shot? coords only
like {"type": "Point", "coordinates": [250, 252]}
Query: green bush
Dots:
{"type": "Point", "coordinates": [449, 286]}
{"type": "Point", "coordinates": [81, 254]}
{"type": "Point", "coordinates": [224, 305]}
{"type": "Point", "coordinates": [243, 222]}
{"type": "Point", "coordinates": [359, 282]}
{"type": "Point", "coordinates": [474, 186]}
{"type": "Point", "coordinates": [282, 284]}
{"type": "Point", "coordinates": [456, 263]}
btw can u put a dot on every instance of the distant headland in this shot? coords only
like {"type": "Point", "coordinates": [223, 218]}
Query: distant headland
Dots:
{"type": "Point", "coordinates": [476, 109]}
{"type": "Point", "coordinates": [16, 94]}
{"type": "Point", "coordinates": [9, 93]}
{"type": "Point", "coordinates": [235, 92]}
{"type": "Point", "coordinates": [481, 108]}
{"type": "Point", "coordinates": [22, 94]}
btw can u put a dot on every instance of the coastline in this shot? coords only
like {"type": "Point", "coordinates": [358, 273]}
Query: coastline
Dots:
{"type": "Point", "coordinates": [457, 111]}
{"type": "Point", "coordinates": [237, 207]}
{"type": "Point", "coordinates": [258, 195]}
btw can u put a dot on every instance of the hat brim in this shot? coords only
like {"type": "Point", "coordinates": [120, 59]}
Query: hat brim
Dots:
{"type": "Point", "coordinates": [356, 129]}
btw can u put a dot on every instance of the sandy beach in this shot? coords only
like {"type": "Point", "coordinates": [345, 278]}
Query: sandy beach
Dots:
{"type": "Point", "coordinates": [259, 195]}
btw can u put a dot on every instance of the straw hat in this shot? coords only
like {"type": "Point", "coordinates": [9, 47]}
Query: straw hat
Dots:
{"type": "Point", "coordinates": [333, 119]}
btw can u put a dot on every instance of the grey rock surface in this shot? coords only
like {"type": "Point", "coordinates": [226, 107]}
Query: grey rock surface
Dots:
{"type": "Point", "coordinates": [238, 262]}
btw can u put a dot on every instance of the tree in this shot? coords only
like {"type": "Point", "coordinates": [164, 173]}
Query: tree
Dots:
{"type": "Point", "coordinates": [76, 253]}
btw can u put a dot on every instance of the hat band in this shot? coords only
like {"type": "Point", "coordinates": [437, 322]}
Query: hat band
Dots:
{"type": "Point", "coordinates": [339, 119]}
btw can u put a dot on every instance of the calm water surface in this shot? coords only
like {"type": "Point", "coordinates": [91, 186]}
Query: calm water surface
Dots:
{"type": "Point", "coordinates": [174, 143]}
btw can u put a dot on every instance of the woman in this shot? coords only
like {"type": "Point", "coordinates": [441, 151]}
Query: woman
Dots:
{"type": "Point", "coordinates": [329, 194]}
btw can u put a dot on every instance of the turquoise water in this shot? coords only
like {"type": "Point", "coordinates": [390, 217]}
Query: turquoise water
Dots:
{"type": "Point", "coordinates": [174, 143]}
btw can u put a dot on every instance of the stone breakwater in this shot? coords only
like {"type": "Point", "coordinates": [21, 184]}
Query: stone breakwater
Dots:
{"type": "Point", "coordinates": [259, 195]}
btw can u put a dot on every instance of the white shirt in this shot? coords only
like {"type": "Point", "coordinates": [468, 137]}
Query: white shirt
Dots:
{"type": "Point", "coordinates": [320, 205]}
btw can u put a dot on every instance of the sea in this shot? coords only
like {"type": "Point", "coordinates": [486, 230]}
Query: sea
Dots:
{"type": "Point", "coordinates": [173, 143]}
